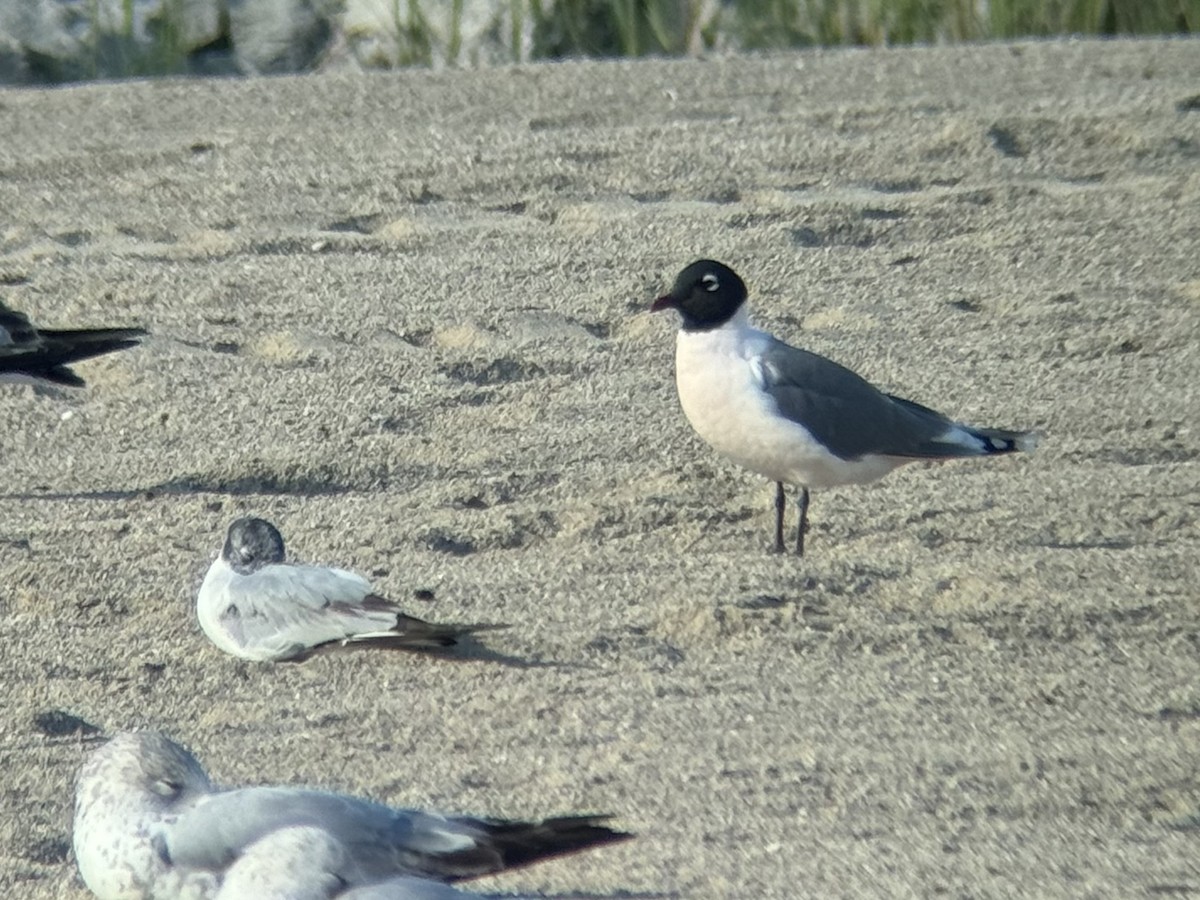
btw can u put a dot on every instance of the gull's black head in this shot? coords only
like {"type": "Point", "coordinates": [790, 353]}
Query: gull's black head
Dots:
{"type": "Point", "coordinates": [252, 544]}
{"type": "Point", "coordinates": [706, 293]}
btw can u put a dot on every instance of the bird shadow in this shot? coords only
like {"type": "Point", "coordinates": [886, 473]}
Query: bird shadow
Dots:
{"type": "Point", "coordinates": [467, 650]}
{"type": "Point", "coordinates": [257, 484]}
{"type": "Point", "coordinates": [470, 649]}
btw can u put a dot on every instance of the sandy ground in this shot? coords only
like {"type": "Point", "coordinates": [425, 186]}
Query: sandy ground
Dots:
{"type": "Point", "coordinates": [405, 317]}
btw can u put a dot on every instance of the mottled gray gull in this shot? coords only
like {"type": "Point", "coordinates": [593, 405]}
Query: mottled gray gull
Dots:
{"type": "Point", "coordinates": [150, 825]}
{"type": "Point", "coordinates": [128, 791]}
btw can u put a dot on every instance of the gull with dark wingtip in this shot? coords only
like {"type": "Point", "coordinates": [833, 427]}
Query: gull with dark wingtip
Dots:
{"type": "Point", "coordinates": [150, 824]}
{"type": "Point", "coordinates": [32, 354]}
{"type": "Point", "coordinates": [791, 415]}
{"type": "Point", "coordinates": [255, 605]}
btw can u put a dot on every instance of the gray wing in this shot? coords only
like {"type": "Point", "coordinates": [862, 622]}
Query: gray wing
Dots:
{"type": "Point", "coordinates": [381, 841]}
{"type": "Point", "coordinates": [285, 610]}
{"type": "Point", "coordinates": [849, 415]}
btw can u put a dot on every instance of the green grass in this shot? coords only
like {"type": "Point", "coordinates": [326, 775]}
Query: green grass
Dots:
{"type": "Point", "coordinates": [553, 29]}
{"type": "Point", "coordinates": [112, 46]}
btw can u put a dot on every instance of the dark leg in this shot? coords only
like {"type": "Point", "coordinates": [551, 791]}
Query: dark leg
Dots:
{"type": "Point", "coordinates": [802, 528]}
{"type": "Point", "coordinates": [780, 504]}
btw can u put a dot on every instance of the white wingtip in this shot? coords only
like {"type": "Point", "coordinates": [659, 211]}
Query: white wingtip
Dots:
{"type": "Point", "coordinates": [1028, 442]}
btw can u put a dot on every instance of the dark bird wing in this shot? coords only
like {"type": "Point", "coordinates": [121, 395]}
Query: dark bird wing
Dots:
{"type": "Point", "coordinates": [853, 418]}
{"type": "Point", "coordinates": [411, 633]}
{"type": "Point", "coordinates": [45, 354]}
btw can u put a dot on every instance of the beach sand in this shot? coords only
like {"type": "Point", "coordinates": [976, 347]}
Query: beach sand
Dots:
{"type": "Point", "coordinates": [405, 316]}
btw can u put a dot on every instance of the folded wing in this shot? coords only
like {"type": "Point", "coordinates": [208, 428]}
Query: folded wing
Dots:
{"type": "Point", "coordinates": [854, 419]}
{"type": "Point", "coordinates": [381, 841]}
{"type": "Point", "coordinates": [284, 611]}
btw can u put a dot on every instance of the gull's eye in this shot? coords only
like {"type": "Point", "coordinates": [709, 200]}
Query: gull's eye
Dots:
{"type": "Point", "coordinates": [164, 787]}
{"type": "Point", "coordinates": [710, 282]}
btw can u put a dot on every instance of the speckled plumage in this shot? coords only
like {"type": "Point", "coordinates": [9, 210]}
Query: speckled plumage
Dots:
{"type": "Point", "coordinates": [150, 825]}
{"type": "Point", "coordinates": [127, 792]}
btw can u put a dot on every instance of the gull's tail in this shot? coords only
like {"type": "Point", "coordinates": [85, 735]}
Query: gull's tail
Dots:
{"type": "Point", "coordinates": [48, 359]}
{"type": "Point", "coordinates": [522, 843]}
{"type": "Point", "coordinates": [996, 440]}
{"type": "Point", "coordinates": [455, 849]}
{"type": "Point", "coordinates": [937, 437]}
{"type": "Point", "coordinates": [418, 634]}
{"type": "Point", "coordinates": [411, 633]}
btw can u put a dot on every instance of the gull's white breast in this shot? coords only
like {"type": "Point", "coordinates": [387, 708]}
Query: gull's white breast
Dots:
{"type": "Point", "coordinates": [212, 601]}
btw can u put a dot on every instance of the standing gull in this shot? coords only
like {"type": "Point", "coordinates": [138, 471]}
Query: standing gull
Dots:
{"type": "Point", "coordinates": [149, 825]}
{"type": "Point", "coordinates": [43, 355]}
{"type": "Point", "coordinates": [255, 605]}
{"type": "Point", "coordinates": [794, 416]}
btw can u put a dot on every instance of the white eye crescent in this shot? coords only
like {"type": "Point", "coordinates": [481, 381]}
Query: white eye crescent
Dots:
{"type": "Point", "coordinates": [710, 282]}
{"type": "Point", "coordinates": [165, 787]}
